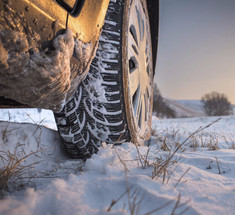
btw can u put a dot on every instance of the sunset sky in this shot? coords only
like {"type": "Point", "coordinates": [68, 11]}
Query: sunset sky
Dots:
{"type": "Point", "coordinates": [196, 53]}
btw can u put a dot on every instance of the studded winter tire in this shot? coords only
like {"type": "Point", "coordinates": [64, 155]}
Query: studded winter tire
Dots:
{"type": "Point", "coordinates": [114, 102]}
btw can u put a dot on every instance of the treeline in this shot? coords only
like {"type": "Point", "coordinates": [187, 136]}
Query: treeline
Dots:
{"type": "Point", "coordinates": [216, 104]}
{"type": "Point", "coordinates": [160, 108]}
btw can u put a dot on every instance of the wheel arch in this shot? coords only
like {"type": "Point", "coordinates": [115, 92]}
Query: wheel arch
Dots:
{"type": "Point", "coordinates": [153, 10]}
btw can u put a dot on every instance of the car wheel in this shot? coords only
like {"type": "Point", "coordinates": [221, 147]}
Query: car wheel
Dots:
{"type": "Point", "coordinates": [114, 102]}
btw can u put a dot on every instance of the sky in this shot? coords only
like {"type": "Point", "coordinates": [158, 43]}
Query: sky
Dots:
{"type": "Point", "coordinates": [196, 50]}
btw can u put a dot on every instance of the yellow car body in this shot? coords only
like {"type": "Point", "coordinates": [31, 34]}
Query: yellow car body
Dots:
{"type": "Point", "coordinates": [40, 22]}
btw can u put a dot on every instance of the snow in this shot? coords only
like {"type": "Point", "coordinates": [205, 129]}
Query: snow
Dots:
{"type": "Point", "coordinates": [195, 105]}
{"type": "Point", "coordinates": [30, 115]}
{"type": "Point", "coordinates": [186, 108]}
{"type": "Point", "coordinates": [55, 184]}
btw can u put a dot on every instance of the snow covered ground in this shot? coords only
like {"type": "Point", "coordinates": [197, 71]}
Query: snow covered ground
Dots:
{"type": "Point", "coordinates": [171, 176]}
{"type": "Point", "coordinates": [30, 115]}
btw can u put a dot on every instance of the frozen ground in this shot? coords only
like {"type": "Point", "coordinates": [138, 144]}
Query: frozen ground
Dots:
{"type": "Point", "coordinates": [198, 179]}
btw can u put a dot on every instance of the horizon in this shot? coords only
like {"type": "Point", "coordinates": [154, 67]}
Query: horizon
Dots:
{"type": "Point", "coordinates": [188, 100]}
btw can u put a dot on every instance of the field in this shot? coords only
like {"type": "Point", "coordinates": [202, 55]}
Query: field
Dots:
{"type": "Point", "coordinates": [188, 167]}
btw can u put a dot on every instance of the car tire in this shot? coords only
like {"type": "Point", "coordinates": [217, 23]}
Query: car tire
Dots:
{"type": "Point", "coordinates": [114, 102]}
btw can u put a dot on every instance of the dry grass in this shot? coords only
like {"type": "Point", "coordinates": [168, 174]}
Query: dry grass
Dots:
{"type": "Point", "coordinates": [229, 142]}
{"type": "Point", "coordinates": [135, 200]}
{"type": "Point", "coordinates": [143, 159]}
{"type": "Point", "coordinates": [165, 147]}
{"type": "Point", "coordinates": [232, 146]}
{"type": "Point", "coordinates": [12, 166]}
{"type": "Point", "coordinates": [182, 177]}
{"type": "Point", "coordinates": [199, 138]}
{"type": "Point", "coordinates": [204, 140]}
{"type": "Point", "coordinates": [154, 132]}
{"type": "Point", "coordinates": [218, 166]}
{"type": "Point", "coordinates": [162, 167]}
{"type": "Point", "coordinates": [212, 142]}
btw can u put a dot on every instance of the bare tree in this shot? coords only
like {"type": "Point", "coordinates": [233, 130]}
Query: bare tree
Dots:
{"type": "Point", "coordinates": [216, 104]}
{"type": "Point", "coordinates": [160, 107]}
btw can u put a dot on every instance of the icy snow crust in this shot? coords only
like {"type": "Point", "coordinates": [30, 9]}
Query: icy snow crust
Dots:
{"type": "Point", "coordinates": [29, 115]}
{"type": "Point", "coordinates": [58, 185]}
